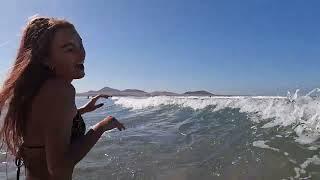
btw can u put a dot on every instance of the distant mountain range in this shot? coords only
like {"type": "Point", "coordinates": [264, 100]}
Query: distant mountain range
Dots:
{"type": "Point", "coordinates": [140, 93]}
{"type": "Point", "coordinates": [198, 93]}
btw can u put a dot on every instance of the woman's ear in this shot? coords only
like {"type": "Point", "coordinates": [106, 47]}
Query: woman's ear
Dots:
{"type": "Point", "coordinates": [46, 62]}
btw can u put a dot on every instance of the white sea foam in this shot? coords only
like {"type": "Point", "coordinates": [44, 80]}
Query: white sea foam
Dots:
{"type": "Point", "coordinates": [313, 148]}
{"type": "Point", "coordinates": [302, 169]}
{"type": "Point", "coordinates": [301, 111]}
{"type": "Point", "coordinates": [262, 144]}
{"type": "Point", "coordinates": [313, 160]}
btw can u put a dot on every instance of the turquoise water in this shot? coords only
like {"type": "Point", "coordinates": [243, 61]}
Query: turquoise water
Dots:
{"type": "Point", "coordinates": [204, 138]}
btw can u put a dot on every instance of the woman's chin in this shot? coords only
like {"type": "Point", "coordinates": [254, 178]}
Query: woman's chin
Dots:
{"type": "Point", "coordinates": [80, 75]}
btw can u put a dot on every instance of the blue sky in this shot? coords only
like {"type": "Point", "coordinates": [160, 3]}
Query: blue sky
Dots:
{"type": "Point", "coordinates": [232, 47]}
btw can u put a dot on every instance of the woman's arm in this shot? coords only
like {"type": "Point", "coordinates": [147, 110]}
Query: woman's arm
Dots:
{"type": "Point", "coordinates": [81, 146]}
{"type": "Point", "coordinates": [61, 155]}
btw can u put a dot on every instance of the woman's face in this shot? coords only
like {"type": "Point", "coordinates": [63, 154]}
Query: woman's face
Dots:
{"type": "Point", "coordinates": [67, 54]}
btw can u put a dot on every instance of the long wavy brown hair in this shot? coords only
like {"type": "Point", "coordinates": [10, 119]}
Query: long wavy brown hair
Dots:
{"type": "Point", "coordinates": [26, 78]}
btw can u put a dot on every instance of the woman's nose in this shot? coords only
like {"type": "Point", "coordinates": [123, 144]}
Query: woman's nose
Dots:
{"type": "Point", "coordinates": [82, 52]}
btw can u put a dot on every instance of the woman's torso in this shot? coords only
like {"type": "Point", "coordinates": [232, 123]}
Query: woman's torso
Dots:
{"type": "Point", "coordinates": [33, 150]}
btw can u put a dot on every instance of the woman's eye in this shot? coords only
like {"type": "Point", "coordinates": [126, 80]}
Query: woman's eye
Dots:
{"type": "Point", "coordinates": [69, 50]}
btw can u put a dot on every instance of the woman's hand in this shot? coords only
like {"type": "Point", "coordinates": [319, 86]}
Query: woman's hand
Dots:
{"type": "Point", "coordinates": [90, 106]}
{"type": "Point", "coordinates": [110, 123]}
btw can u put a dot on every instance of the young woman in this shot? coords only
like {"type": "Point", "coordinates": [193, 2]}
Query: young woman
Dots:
{"type": "Point", "coordinates": [42, 126]}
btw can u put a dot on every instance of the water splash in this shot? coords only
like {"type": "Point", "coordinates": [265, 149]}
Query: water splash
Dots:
{"type": "Point", "coordinates": [313, 91]}
{"type": "Point", "coordinates": [300, 112]}
{"type": "Point", "coordinates": [293, 97]}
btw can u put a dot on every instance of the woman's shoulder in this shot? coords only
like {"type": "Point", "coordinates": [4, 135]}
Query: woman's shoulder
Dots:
{"type": "Point", "coordinates": [55, 94]}
{"type": "Point", "coordinates": [57, 87]}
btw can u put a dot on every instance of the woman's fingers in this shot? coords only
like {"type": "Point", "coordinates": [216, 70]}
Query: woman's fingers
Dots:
{"type": "Point", "coordinates": [114, 123]}
{"type": "Point", "coordinates": [122, 126]}
{"type": "Point", "coordinates": [95, 98]}
{"type": "Point", "coordinates": [105, 96]}
{"type": "Point", "coordinates": [101, 95]}
{"type": "Point", "coordinates": [99, 105]}
{"type": "Point", "coordinates": [119, 125]}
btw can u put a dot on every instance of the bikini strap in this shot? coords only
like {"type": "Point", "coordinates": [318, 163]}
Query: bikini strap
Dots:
{"type": "Point", "coordinates": [19, 162]}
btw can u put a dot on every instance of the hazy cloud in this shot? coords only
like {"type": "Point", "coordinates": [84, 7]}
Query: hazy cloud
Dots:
{"type": "Point", "coordinates": [33, 17]}
{"type": "Point", "coordinates": [4, 43]}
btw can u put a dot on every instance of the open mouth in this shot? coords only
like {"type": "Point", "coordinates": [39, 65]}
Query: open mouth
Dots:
{"type": "Point", "coordinates": [80, 66]}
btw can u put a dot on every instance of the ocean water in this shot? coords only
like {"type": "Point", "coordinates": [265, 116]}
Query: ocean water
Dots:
{"type": "Point", "coordinates": [182, 138]}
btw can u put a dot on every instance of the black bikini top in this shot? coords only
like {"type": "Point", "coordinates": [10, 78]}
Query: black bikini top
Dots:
{"type": "Point", "coordinates": [78, 129]}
